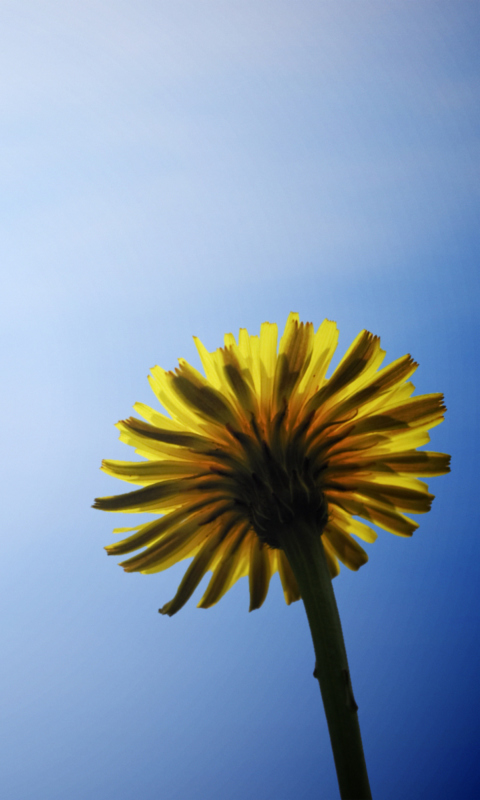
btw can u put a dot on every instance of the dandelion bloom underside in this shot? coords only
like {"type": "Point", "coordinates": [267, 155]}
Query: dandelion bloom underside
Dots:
{"type": "Point", "coordinates": [265, 438]}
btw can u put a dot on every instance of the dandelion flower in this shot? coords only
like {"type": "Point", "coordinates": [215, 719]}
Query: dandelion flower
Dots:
{"type": "Point", "coordinates": [266, 439]}
{"type": "Point", "coordinates": [265, 458]}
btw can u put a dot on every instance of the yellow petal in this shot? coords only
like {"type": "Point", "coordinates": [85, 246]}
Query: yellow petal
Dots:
{"type": "Point", "coordinates": [345, 548]}
{"type": "Point", "coordinates": [146, 534]}
{"type": "Point", "coordinates": [361, 360]}
{"type": "Point", "coordinates": [259, 573]}
{"type": "Point", "coordinates": [144, 499]}
{"type": "Point", "coordinates": [290, 588]}
{"type": "Point", "coordinates": [161, 383]}
{"type": "Point", "coordinates": [362, 531]}
{"type": "Point", "coordinates": [402, 497]}
{"type": "Point", "coordinates": [205, 401]}
{"type": "Point", "coordinates": [180, 543]}
{"type": "Point", "coordinates": [374, 391]}
{"type": "Point", "coordinates": [353, 526]}
{"type": "Point", "coordinates": [324, 345]}
{"type": "Point", "coordinates": [295, 352]}
{"type": "Point", "coordinates": [240, 385]}
{"type": "Point", "coordinates": [158, 420]}
{"type": "Point", "coordinates": [210, 363]}
{"type": "Point", "coordinates": [195, 572]}
{"type": "Point", "coordinates": [155, 496]}
{"type": "Point", "coordinates": [203, 511]}
{"type": "Point", "coordinates": [332, 561]}
{"type": "Point", "coordinates": [146, 472]}
{"type": "Point", "coordinates": [234, 354]}
{"type": "Point", "coordinates": [229, 570]}
{"type": "Point", "coordinates": [395, 441]}
{"type": "Point", "coordinates": [139, 430]}
{"type": "Point", "coordinates": [387, 518]}
{"type": "Point", "coordinates": [425, 463]}
{"type": "Point", "coordinates": [267, 358]}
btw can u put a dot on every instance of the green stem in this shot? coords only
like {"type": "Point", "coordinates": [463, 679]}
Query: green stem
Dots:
{"type": "Point", "coordinates": [304, 550]}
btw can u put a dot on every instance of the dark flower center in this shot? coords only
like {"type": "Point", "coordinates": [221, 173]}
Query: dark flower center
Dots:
{"type": "Point", "coordinates": [279, 489]}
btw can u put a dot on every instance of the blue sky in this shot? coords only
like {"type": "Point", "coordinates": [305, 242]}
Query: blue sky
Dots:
{"type": "Point", "coordinates": [189, 168]}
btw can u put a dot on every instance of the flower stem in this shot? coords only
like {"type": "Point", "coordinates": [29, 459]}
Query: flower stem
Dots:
{"type": "Point", "coordinates": [303, 548]}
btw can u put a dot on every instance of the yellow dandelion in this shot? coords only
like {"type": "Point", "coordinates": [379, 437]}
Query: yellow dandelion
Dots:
{"type": "Point", "coordinates": [265, 465]}
{"type": "Point", "coordinates": [266, 439]}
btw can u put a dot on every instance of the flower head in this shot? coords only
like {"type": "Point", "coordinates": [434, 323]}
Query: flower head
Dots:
{"type": "Point", "coordinates": [265, 439]}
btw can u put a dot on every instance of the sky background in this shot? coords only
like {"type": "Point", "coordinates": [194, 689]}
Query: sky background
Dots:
{"type": "Point", "coordinates": [183, 168]}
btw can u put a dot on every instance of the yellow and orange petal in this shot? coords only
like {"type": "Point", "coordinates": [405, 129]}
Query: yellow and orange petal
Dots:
{"type": "Point", "coordinates": [265, 437]}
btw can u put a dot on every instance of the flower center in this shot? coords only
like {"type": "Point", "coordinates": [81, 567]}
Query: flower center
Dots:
{"type": "Point", "coordinates": [279, 489]}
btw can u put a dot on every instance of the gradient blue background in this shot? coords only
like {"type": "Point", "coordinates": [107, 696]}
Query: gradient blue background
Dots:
{"type": "Point", "coordinates": [190, 167]}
